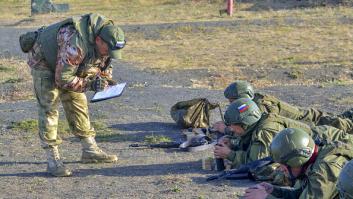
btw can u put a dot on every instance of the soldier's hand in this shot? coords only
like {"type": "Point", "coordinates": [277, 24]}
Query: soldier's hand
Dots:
{"type": "Point", "coordinates": [219, 126]}
{"type": "Point", "coordinates": [256, 192]}
{"type": "Point", "coordinates": [224, 141]}
{"type": "Point", "coordinates": [221, 151]}
{"type": "Point", "coordinates": [268, 187]}
{"type": "Point", "coordinates": [98, 84]}
{"type": "Point", "coordinates": [111, 82]}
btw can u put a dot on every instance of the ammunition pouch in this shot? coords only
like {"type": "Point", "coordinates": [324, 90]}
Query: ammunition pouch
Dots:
{"type": "Point", "coordinates": [27, 41]}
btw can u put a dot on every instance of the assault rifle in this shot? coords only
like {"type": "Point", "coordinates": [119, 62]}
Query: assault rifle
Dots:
{"type": "Point", "coordinates": [164, 145]}
{"type": "Point", "coordinates": [243, 172]}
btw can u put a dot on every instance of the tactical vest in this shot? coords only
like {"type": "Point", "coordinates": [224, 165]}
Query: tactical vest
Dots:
{"type": "Point", "coordinates": [88, 27]}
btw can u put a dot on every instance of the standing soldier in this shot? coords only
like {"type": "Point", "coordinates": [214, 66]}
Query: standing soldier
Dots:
{"type": "Point", "coordinates": [270, 104]}
{"type": "Point", "coordinates": [314, 167]}
{"type": "Point", "coordinates": [67, 59]}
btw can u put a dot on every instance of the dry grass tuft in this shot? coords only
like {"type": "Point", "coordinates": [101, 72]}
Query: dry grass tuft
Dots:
{"type": "Point", "coordinates": [15, 80]}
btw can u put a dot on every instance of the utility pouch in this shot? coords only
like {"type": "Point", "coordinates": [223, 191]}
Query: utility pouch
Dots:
{"type": "Point", "coordinates": [27, 41]}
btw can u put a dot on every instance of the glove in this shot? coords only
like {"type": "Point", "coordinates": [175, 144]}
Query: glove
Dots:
{"type": "Point", "coordinates": [97, 84]}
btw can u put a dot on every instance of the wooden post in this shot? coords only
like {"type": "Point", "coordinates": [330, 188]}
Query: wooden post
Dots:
{"type": "Point", "coordinates": [230, 7]}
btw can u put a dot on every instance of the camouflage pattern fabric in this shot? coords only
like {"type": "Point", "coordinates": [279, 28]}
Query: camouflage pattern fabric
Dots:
{"type": "Point", "coordinates": [66, 84]}
{"type": "Point", "coordinates": [270, 104]}
{"type": "Point", "coordinates": [193, 113]}
{"type": "Point", "coordinates": [319, 180]}
{"type": "Point", "coordinates": [255, 143]}
{"type": "Point", "coordinates": [311, 116]}
{"type": "Point", "coordinates": [322, 135]}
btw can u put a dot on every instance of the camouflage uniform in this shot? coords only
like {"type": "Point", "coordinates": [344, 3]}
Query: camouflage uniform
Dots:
{"type": "Point", "coordinates": [270, 104]}
{"type": "Point", "coordinates": [65, 63]}
{"type": "Point", "coordinates": [255, 143]}
{"type": "Point", "coordinates": [67, 82]}
{"type": "Point", "coordinates": [320, 178]}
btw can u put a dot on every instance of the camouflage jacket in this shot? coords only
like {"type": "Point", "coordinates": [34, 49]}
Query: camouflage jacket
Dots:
{"type": "Point", "coordinates": [255, 143]}
{"type": "Point", "coordinates": [319, 180]}
{"type": "Point", "coordinates": [68, 48]}
{"type": "Point", "coordinates": [271, 104]}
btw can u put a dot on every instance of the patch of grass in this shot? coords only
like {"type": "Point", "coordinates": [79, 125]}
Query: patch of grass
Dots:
{"type": "Point", "coordinates": [155, 139]}
{"type": "Point", "coordinates": [295, 74]}
{"type": "Point", "coordinates": [104, 133]}
{"type": "Point", "coordinates": [343, 100]}
{"type": "Point", "coordinates": [16, 12]}
{"type": "Point", "coordinates": [176, 189]}
{"type": "Point", "coordinates": [238, 53]}
{"type": "Point", "coordinates": [31, 126]}
{"type": "Point", "coordinates": [14, 80]}
{"type": "Point", "coordinates": [25, 125]}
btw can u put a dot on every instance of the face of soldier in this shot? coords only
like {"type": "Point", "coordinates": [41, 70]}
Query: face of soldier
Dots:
{"type": "Point", "coordinates": [231, 100]}
{"type": "Point", "coordinates": [296, 171]}
{"type": "Point", "coordinates": [102, 47]}
{"type": "Point", "coordinates": [237, 129]}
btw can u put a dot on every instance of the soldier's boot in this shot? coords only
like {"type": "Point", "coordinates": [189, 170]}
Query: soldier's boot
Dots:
{"type": "Point", "coordinates": [347, 114]}
{"type": "Point", "coordinates": [91, 153]}
{"type": "Point", "coordinates": [55, 166]}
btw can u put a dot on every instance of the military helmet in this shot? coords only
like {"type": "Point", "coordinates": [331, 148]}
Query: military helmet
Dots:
{"type": "Point", "coordinates": [239, 89]}
{"type": "Point", "coordinates": [292, 147]}
{"type": "Point", "coordinates": [345, 181]}
{"type": "Point", "coordinates": [242, 111]}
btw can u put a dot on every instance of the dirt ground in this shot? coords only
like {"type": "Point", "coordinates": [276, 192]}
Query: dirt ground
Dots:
{"type": "Point", "coordinates": [142, 110]}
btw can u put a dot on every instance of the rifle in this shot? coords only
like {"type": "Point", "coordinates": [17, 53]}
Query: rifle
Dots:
{"type": "Point", "coordinates": [164, 145]}
{"type": "Point", "coordinates": [244, 171]}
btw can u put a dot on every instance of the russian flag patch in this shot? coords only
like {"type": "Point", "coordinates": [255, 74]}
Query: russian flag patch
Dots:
{"type": "Point", "coordinates": [243, 108]}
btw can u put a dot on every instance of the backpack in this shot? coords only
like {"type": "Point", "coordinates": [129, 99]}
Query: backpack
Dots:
{"type": "Point", "coordinates": [194, 113]}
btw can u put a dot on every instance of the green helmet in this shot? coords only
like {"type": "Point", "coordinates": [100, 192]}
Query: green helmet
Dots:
{"type": "Point", "coordinates": [292, 147]}
{"type": "Point", "coordinates": [345, 181]}
{"type": "Point", "coordinates": [239, 89]}
{"type": "Point", "coordinates": [242, 111]}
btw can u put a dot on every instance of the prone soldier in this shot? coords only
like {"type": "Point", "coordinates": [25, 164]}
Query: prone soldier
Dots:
{"type": "Point", "coordinates": [270, 104]}
{"type": "Point", "coordinates": [314, 167]}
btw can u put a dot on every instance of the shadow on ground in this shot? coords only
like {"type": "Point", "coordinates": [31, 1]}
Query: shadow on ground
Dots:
{"type": "Point", "coordinates": [154, 127]}
{"type": "Point", "coordinates": [133, 170]}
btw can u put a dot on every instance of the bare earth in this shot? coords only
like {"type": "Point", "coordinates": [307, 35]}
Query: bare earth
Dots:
{"type": "Point", "coordinates": [142, 110]}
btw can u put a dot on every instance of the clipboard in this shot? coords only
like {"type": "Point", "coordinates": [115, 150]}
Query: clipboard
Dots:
{"type": "Point", "coordinates": [109, 93]}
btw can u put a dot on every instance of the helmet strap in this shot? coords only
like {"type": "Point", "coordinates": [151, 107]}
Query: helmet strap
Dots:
{"type": "Point", "coordinates": [291, 176]}
{"type": "Point", "coordinates": [311, 160]}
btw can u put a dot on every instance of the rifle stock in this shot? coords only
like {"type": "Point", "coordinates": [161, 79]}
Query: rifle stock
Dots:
{"type": "Point", "coordinates": [243, 172]}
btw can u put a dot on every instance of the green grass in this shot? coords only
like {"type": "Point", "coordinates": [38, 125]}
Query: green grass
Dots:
{"type": "Point", "coordinates": [25, 125]}
{"type": "Point", "coordinates": [31, 125]}
{"type": "Point", "coordinates": [155, 139]}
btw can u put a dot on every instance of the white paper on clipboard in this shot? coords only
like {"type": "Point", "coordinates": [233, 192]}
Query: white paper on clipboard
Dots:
{"type": "Point", "coordinates": [110, 92]}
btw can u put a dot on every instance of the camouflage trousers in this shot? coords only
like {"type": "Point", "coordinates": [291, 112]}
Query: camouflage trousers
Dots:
{"type": "Point", "coordinates": [344, 124]}
{"type": "Point", "coordinates": [74, 104]}
{"type": "Point", "coordinates": [315, 117]}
